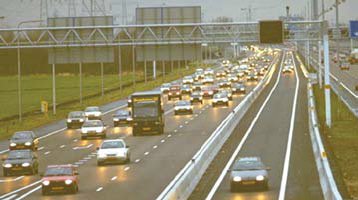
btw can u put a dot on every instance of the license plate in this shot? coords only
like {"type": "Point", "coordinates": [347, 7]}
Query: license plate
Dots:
{"type": "Point", "coordinates": [16, 168]}
{"type": "Point", "coordinates": [248, 182]}
{"type": "Point", "coordinates": [146, 129]}
{"type": "Point", "coordinates": [58, 188]}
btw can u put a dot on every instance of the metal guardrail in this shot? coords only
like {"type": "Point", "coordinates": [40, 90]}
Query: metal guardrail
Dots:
{"type": "Point", "coordinates": [186, 180]}
{"type": "Point", "coordinates": [328, 184]}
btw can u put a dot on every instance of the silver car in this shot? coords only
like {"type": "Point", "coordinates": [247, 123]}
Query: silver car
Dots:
{"type": "Point", "coordinates": [248, 172]}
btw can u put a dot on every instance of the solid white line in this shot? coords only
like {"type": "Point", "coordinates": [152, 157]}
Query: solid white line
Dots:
{"type": "Point", "coordinates": [20, 189]}
{"type": "Point", "coordinates": [29, 192]}
{"type": "Point", "coordinates": [10, 197]}
{"type": "Point", "coordinates": [11, 180]}
{"type": "Point", "coordinates": [286, 165]}
{"type": "Point", "coordinates": [243, 140]}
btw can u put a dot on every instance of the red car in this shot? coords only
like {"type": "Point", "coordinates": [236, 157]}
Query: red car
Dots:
{"type": "Point", "coordinates": [209, 91]}
{"type": "Point", "coordinates": [60, 178]}
{"type": "Point", "coordinates": [174, 92]}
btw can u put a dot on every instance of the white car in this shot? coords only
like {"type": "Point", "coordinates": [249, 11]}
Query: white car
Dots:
{"type": "Point", "coordinates": [208, 80]}
{"type": "Point", "coordinates": [188, 80]}
{"type": "Point", "coordinates": [93, 128]}
{"type": "Point", "coordinates": [183, 107]}
{"type": "Point", "coordinates": [93, 112]}
{"type": "Point", "coordinates": [220, 99]}
{"type": "Point", "coordinates": [165, 87]}
{"type": "Point", "coordinates": [199, 70]}
{"type": "Point", "coordinates": [232, 78]}
{"type": "Point", "coordinates": [209, 71]}
{"type": "Point", "coordinates": [113, 151]}
{"type": "Point", "coordinates": [287, 69]}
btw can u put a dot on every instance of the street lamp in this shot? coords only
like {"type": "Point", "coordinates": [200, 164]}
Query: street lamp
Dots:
{"type": "Point", "coordinates": [19, 64]}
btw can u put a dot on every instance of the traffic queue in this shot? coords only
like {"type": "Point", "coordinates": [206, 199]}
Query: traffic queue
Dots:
{"type": "Point", "coordinates": [145, 114]}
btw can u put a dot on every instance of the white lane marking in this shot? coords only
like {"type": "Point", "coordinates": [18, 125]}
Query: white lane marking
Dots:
{"type": "Point", "coordinates": [169, 135]}
{"type": "Point", "coordinates": [10, 197]}
{"type": "Point", "coordinates": [175, 131]}
{"type": "Point", "coordinates": [243, 140]}
{"type": "Point", "coordinates": [137, 161]}
{"type": "Point", "coordinates": [186, 122]}
{"type": "Point", "coordinates": [196, 115]}
{"type": "Point", "coordinates": [29, 192]}
{"type": "Point", "coordinates": [83, 160]}
{"type": "Point", "coordinates": [126, 169]}
{"type": "Point", "coordinates": [78, 163]}
{"type": "Point", "coordinates": [75, 140]}
{"type": "Point", "coordinates": [114, 109]}
{"type": "Point", "coordinates": [62, 146]}
{"type": "Point", "coordinates": [20, 189]}
{"type": "Point", "coordinates": [286, 165]}
{"type": "Point", "coordinates": [162, 141]}
{"type": "Point", "coordinates": [113, 178]}
{"type": "Point", "coordinates": [87, 158]}
{"type": "Point", "coordinates": [154, 147]}
{"type": "Point", "coordinates": [11, 180]}
{"type": "Point", "coordinates": [84, 147]}
{"type": "Point", "coordinates": [47, 152]}
{"type": "Point", "coordinates": [4, 151]}
{"type": "Point", "coordinates": [169, 111]}
{"type": "Point", "coordinates": [146, 153]}
{"type": "Point", "coordinates": [99, 189]}
{"type": "Point", "coordinates": [181, 126]}
{"type": "Point", "coordinates": [40, 148]}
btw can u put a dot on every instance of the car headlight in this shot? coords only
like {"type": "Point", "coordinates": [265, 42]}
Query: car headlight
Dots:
{"type": "Point", "coordinates": [191, 98]}
{"type": "Point", "coordinates": [170, 93]}
{"type": "Point", "coordinates": [7, 165]}
{"type": "Point", "coordinates": [46, 183]}
{"type": "Point", "coordinates": [115, 119]}
{"type": "Point", "coordinates": [12, 144]}
{"type": "Point", "coordinates": [210, 92]}
{"type": "Point", "coordinates": [25, 164]}
{"type": "Point", "coordinates": [242, 89]}
{"type": "Point", "coordinates": [234, 89]}
{"type": "Point", "coordinates": [69, 120]}
{"type": "Point", "coordinates": [129, 119]}
{"type": "Point", "coordinates": [260, 178]}
{"type": "Point", "coordinates": [99, 130]}
{"type": "Point", "coordinates": [225, 100]}
{"type": "Point", "coordinates": [200, 98]}
{"type": "Point", "coordinates": [68, 182]}
{"type": "Point", "coordinates": [82, 120]}
{"type": "Point", "coordinates": [176, 108]}
{"type": "Point", "coordinates": [84, 131]}
{"type": "Point", "coordinates": [237, 179]}
{"type": "Point", "coordinates": [101, 155]}
{"type": "Point", "coordinates": [28, 143]}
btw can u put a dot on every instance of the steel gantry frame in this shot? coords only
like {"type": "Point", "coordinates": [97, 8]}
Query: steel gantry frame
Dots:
{"type": "Point", "coordinates": [163, 34]}
{"type": "Point", "coordinates": [152, 34]}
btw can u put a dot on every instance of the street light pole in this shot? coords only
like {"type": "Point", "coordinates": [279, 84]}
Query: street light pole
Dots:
{"type": "Point", "coordinates": [19, 65]}
{"type": "Point", "coordinates": [338, 32]}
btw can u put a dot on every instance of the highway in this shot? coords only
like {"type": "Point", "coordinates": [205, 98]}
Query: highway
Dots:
{"type": "Point", "coordinates": [155, 160]}
{"type": "Point", "coordinates": [276, 129]}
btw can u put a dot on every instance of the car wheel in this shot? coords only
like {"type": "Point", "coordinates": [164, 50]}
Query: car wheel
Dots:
{"type": "Point", "coordinates": [175, 113]}
{"type": "Point", "coordinates": [201, 102]}
{"type": "Point", "coordinates": [214, 105]}
{"type": "Point", "coordinates": [99, 163]}
{"type": "Point", "coordinates": [44, 192]}
{"type": "Point", "coordinates": [5, 174]}
{"type": "Point", "coordinates": [128, 160]}
{"type": "Point", "coordinates": [74, 189]}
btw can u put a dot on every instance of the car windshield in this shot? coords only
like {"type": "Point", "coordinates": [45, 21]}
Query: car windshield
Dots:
{"type": "Point", "coordinates": [248, 165]}
{"type": "Point", "coordinates": [76, 115]}
{"type": "Point", "coordinates": [59, 171]}
{"type": "Point", "coordinates": [16, 155]}
{"type": "Point", "coordinates": [175, 88]}
{"type": "Point", "coordinates": [185, 87]}
{"type": "Point", "coordinates": [145, 109]}
{"type": "Point", "coordinates": [221, 95]}
{"type": "Point", "coordinates": [166, 85]}
{"type": "Point", "coordinates": [122, 113]}
{"type": "Point", "coordinates": [93, 123]}
{"type": "Point", "coordinates": [182, 103]}
{"type": "Point", "coordinates": [112, 145]}
{"type": "Point", "coordinates": [22, 135]}
{"type": "Point", "coordinates": [92, 109]}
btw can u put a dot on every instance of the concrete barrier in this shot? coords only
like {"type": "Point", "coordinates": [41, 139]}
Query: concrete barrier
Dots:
{"type": "Point", "coordinates": [186, 180]}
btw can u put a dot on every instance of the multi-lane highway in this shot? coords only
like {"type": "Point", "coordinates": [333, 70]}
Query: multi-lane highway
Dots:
{"type": "Point", "coordinates": [277, 131]}
{"type": "Point", "coordinates": [155, 160]}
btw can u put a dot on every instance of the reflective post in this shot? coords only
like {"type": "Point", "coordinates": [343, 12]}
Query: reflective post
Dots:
{"type": "Point", "coordinates": [120, 68]}
{"type": "Point", "coordinates": [154, 69]}
{"type": "Point", "coordinates": [19, 76]}
{"type": "Point", "coordinates": [54, 88]}
{"type": "Point", "coordinates": [145, 71]}
{"type": "Point", "coordinates": [320, 63]}
{"type": "Point", "coordinates": [133, 66]}
{"type": "Point", "coordinates": [163, 69]}
{"type": "Point", "coordinates": [327, 85]}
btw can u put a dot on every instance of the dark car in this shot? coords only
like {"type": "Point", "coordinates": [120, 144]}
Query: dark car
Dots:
{"type": "Point", "coordinates": [20, 162]}
{"type": "Point", "coordinates": [122, 118]}
{"type": "Point", "coordinates": [196, 86]}
{"type": "Point", "coordinates": [248, 172]}
{"type": "Point", "coordinates": [224, 83]}
{"type": "Point", "coordinates": [24, 140]}
{"type": "Point", "coordinates": [60, 178]}
{"type": "Point", "coordinates": [174, 92]}
{"type": "Point", "coordinates": [196, 97]}
{"type": "Point", "coordinates": [75, 119]}
{"type": "Point", "coordinates": [238, 88]}
{"type": "Point", "coordinates": [185, 89]}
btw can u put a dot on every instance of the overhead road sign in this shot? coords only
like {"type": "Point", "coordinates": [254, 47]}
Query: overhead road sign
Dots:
{"type": "Point", "coordinates": [353, 29]}
{"type": "Point", "coordinates": [271, 32]}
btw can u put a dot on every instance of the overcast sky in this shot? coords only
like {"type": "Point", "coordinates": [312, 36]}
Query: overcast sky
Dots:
{"type": "Point", "coordinates": [261, 9]}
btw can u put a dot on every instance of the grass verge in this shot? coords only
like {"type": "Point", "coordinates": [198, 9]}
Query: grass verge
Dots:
{"type": "Point", "coordinates": [341, 142]}
{"type": "Point", "coordinates": [7, 128]}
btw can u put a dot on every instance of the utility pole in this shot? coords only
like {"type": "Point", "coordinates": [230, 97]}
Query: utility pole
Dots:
{"type": "Point", "coordinates": [323, 11]}
{"type": "Point", "coordinates": [338, 32]}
